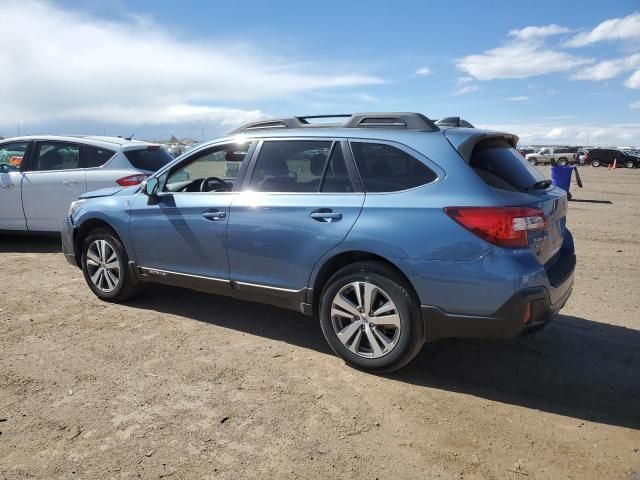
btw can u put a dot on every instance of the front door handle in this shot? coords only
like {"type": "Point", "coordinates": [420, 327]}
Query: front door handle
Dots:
{"type": "Point", "coordinates": [326, 215]}
{"type": "Point", "coordinates": [7, 185]}
{"type": "Point", "coordinates": [70, 181]}
{"type": "Point", "coordinates": [214, 215]}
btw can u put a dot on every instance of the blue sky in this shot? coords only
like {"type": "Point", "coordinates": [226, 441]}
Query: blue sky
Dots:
{"type": "Point", "coordinates": [551, 72]}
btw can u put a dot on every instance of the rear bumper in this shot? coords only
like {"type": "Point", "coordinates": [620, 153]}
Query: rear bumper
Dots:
{"type": "Point", "coordinates": [67, 236]}
{"type": "Point", "coordinates": [509, 320]}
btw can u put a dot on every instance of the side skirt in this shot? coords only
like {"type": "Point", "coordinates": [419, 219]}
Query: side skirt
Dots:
{"type": "Point", "coordinates": [280, 297]}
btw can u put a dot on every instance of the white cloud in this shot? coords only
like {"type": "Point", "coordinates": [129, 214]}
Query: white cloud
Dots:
{"type": "Point", "coordinates": [531, 32]}
{"type": "Point", "coordinates": [423, 72]}
{"type": "Point", "coordinates": [467, 89]}
{"type": "Point", "coordinates": [635, 104]}
{"type": "Point", "coordinates": [625, 28]}
{"type": "Point", "coordinates": [521, 98]}
{"type": "Point", "coordinates": [608, 69]}
{"type": "Point", "coordinates": [555, 133]}
{"type": "Point", "coordinates": [634, 80]}
{"type": "Point", "coordinates": [72, 66]}
{"type": "Point", "coordinates": [465, 85]}
{"type": "Point", "coordinates": [524, 56]}
{"type": "Point", "coordinates": [571, 133]}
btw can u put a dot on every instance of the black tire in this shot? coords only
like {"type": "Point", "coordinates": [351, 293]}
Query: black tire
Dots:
{"type": "Point", "coordinates": [410, 338]}
{"type": "Point", "coordinates": [533, 161]}
{"type": "Point", "coordinates": [630, 164]}
{"type": "Point", "coordinates": [595, 163]}
{"type": "Point", "coordinates": [563, 161]}
{"type": "Point", "coordinates": [126, 286]}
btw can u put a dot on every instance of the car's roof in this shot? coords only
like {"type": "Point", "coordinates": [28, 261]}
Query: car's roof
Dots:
{"type": "Point", "coordinates": [382, 134]}
{"type": "Point", "coordinates": [96, 140]}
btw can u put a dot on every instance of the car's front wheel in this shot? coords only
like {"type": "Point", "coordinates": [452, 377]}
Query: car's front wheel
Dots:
{"type": "Point", "coordinates": [371, 318]}
{"type": "Point", "coordinates": [629, 164]}
{"type": "Point", "coordinates": [104, 264]}
{"type": "Point", "coordinates": [533, 161]}
{"type": "Point", "coordinates": [595, 163]}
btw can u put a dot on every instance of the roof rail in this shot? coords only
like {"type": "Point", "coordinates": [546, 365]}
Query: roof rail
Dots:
{"type": "Point", "coordinates": [453, 122]}
{"type": "Point", "coordinates": [399, 120]}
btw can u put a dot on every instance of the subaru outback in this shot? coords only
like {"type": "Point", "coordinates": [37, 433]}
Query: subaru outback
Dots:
{"type": "Point", "coordinates": [387, 229]}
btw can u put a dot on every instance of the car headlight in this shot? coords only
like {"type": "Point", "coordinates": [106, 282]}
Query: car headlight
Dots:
{"type": "Point", "coordinates": [74, 206]}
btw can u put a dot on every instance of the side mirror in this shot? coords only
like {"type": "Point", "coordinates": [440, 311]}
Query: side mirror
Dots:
{"type": "Point", "coordinates": [151, 187]}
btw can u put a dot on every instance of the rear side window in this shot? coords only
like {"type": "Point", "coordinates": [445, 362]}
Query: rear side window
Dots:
{"type": "Point", "coordinates": [151, 159]}
{"type": "Point", "coordinates": [384, 168]}
{"type": "Point", "coordinates": [500, 166]}
{"type": "Point", "coordinates": [96, 156]}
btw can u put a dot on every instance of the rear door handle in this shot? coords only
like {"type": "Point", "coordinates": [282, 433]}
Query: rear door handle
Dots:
{"type": "Point", "coordinates": [214, 215]}
{"type": "Point", "coordinates": [326, 215]}
{"type": "Point", "coordinates": [7, 185]}
{"type": "Point", "coordinates": [70, 181]}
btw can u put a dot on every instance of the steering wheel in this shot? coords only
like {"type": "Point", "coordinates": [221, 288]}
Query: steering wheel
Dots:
{"type": "Point", "coordinates": [219, 185]}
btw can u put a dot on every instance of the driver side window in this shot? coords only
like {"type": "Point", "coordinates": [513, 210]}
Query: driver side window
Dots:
{"type": "Point", "coordinates": [220, 162]}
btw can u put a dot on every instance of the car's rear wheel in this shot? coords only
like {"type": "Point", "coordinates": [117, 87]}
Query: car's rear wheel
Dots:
{"type": "Point", "coordinates": [562, 161]}
{"type": "Point", "coordinates": [105, 266]}
{"type": "Point", "coordinates": [371, 318]}
{"type": "Point", "coordinates": [533, 161]}
{"type": "Point", "coordinates": [629, 164]}
{"type": "Point", "coordinates": [595, 163]}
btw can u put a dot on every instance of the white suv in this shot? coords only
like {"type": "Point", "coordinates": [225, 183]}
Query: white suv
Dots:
{"type": "Point", "coordinates": [40, 176]}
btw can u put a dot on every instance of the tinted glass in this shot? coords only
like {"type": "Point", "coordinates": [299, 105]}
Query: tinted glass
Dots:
{"type": "Point", "coordinates": [56, 156]}
{"type": "Point", "coordinates": [290, 166]}
{"type": "Point", "coordinates": [150, 159]}
{"type": "Point", "coordinates": [384, 168]}
{"type": "Point", "coordinates": [222, 161]}
{"type": "Point", "coordinates": [11, 155]}
{"type": "Point", "coordinates": [500, 166]}
{"type": "Point", "coordinates": [336, 178]}
{"type": "Point", "coordinates": [96, 156]}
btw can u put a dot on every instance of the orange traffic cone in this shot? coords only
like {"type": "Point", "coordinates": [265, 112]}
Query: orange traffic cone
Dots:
{"type": "Point", "coordinates": [615, 164]}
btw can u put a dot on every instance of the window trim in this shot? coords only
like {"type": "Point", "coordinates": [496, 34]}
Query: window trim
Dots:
{"type": "Point", "coordinates": [435, 168]}
{"type": "Point", "coordinates": [356, 183]}
{"type": "Point", "coordinates": [174, 166]}
{"type": "Point", "coordinates": [32, 157]}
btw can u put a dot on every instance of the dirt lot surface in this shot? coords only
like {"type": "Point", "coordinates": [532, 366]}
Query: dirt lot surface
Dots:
{"type": "Point", "coordinates": [179, 384]}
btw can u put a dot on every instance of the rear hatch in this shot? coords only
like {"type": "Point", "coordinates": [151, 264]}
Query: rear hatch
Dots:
{"type": "Point", "coordinates": [518, 184]}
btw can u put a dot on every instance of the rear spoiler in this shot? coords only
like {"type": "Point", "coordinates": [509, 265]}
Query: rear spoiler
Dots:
{"type": "Point", "coordinates": [464, 140]}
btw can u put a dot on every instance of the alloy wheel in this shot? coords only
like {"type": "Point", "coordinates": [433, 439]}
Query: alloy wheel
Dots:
{"type": "Point", "coordinates": [103, 266]}
{"type": "Point", "coordinates": [365, 319]}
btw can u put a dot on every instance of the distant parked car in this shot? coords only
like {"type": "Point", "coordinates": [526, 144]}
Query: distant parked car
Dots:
{"type": "Point", "coordinates": [562, 155]}
{"type": "Point", "coordinates": [606, 156]}
{"type": "Point", "coordinates": [41, 176]}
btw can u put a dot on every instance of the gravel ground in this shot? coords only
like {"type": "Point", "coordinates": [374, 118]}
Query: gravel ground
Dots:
{"type": "Point", "coordinates": [179, 384]}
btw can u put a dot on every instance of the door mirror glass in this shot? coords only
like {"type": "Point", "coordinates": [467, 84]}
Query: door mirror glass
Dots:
{"type": "Point", "coordinates": [151, 187]}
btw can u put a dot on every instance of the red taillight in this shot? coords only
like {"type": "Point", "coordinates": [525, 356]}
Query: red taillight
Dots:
{"type": "Point", "coordinates": [502, 226]}
{"type": "Point", "coordinates": [131, 180]}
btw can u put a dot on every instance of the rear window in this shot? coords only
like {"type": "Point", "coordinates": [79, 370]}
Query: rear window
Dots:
{"type": "Point", "coordinates": [500, 166]}
{"type": "Point", "coordinates": [384, 168]}
{"type": "Point", "coordinates": [150, 159]}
